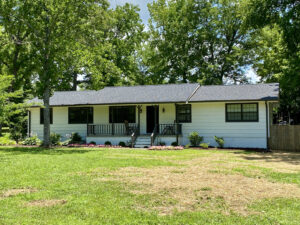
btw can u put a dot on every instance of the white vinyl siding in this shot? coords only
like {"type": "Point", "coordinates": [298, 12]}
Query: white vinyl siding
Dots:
{"type": "Point", "coordinates": [208, 119]}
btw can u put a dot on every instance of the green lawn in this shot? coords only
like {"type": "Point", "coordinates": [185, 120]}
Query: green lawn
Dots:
{"type": "Point", "coordinates": [124, 186]}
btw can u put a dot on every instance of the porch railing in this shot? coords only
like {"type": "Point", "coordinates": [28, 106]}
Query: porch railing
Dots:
{"type": "Point", "coordinates": [169, 129]}
{"type": "Point", "coordinates": [165, 130]}
{"type": "Point", "coordinates": [134, 135]}
{"type": "Point", "coordinates": [112, 129]}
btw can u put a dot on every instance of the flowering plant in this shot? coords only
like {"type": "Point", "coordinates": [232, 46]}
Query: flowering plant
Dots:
{"type": "Point", "coordinates": [93, 146]}
{"type": "Point", "coordinates": [166, 148]}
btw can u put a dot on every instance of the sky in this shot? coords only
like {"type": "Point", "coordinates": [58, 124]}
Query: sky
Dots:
{"type": "Point", "coordinates": [141, 3]}
{"type": "Point", "coordinates": [145, 16]}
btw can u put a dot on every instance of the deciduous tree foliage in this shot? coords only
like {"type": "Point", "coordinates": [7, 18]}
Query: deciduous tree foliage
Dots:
{"type": "Point", "coordinates": [280, 42]}
{"type": "Point", "coordinates": [54, 27]}
{"type": "Point", "coordinates": [10, 111]}
{"type": "Point", "coordinates": [197, 41]}
{"type": "Point", "coordinates": [115, 60]}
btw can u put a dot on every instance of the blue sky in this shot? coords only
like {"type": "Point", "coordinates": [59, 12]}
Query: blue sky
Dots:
{"type": "Point", "coordinates": [145, 16]}
{"type": "Point", "coordinates": [141, 3]}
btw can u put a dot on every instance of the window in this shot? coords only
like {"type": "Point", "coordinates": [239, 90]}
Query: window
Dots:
{"type": "Point", "coordinates": [118, 114]}
{"type": "Point", "coordinates": [80, 115]}
{"type": "Point", "coordinates": [245, 112]}
{"type": "Point", "coordinates": [42, 116]}
{"type": "Point", "coordinates": [183, 113]}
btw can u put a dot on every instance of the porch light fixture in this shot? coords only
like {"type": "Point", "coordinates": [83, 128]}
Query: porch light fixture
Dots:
{"type": "Point", "coordinates": [140, 109]}
{"type": "Point", "coordinates": [163, 110]}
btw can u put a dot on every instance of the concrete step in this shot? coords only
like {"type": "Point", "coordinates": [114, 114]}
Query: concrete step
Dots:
{"type": "Point", "coordinates": [142, 141]}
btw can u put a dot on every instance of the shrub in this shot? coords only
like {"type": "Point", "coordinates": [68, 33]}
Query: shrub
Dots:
{"type": "Point", "coordinates": [75, 138]}
{"type": "Point", "coordinates": [195, 139]}
{"type": "Point", "coordinates": [161, 143]}
{"type": "Point", "coordinates": [5, 140]}
{"type": "Point", "coordinates": [55, 139]}
{"type": "Point", "coordinates": [128, 143]}
{"type": "Point", "coordinates": [204, 145]}
{"type": "Point", "coordinates": [66, 142]}
{"type": "Point", "coordinates": [174, 143]}
{"type": "Point", "coordinates": [187, 146]}
{"type": "Point", "coordinates": [122, 144]}
{"type": "Point", "coordinates": [107, 143]}
{"type": "Point", "coordinates": [32, 141]}
{"type": "Point", "coordinates": [220, 141]}
{"type": "Point", "coordinates": [92, 143]}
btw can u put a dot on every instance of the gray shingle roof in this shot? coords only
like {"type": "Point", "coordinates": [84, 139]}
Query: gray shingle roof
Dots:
{"type": "Point", "coordinates": [256, 92]}
{"type": "Point", "coordinates": [125, 95]}
{"type": "Point", "coordinates": [163, 94]}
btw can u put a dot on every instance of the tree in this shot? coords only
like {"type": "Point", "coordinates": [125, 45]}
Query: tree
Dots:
{"type": "Point", "coordinates": [9, 109]}
{"type": "Point", "coordinates": [114, 62]}
{"type": "Point", "coordinates": [15, 51]}
{"type": "Point", "coordinates": [197, 41]}
{"type": "Point", "coordinates": [53, 27]}
{"type": "Point", "coordinates": [15, 59]}
{"type": "Point", "coordinates": [126, 36]}
{"type": "Point", "coordinates": [110, 57]}
{"type": "Point", "coordinates": [280, 21]}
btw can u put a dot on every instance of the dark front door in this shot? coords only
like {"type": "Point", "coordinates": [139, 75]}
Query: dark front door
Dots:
{"type": "Point", "coordinates": [152, 118]}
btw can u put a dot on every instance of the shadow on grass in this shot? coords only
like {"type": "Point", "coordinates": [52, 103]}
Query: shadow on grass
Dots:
{"type": "Point", "coordinates": [287, 157]}
{"type": "Point", "coordinates": [45, 151]}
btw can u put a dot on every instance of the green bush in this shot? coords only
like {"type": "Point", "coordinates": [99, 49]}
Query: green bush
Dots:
{"type": "Point", "coordinates": [161, 143]}
{"type": "Point", "coordinates": [55, 139]}
{"type": "Point", "coordinates": [220, 141]}
{"type": "Point", "coordinates": [107, 143]}
{"type": "Point", "coordinates": [75, 138]}
{"type": "Point", "coordinates": [66, 142]}
{"type": "Point", "coordinates": [92, 143]}
{"type": "Point", "coordinates": [187, 146]}
{"type": "Point", "coordinates": [5, 140]}
{"type": "Point", "coordinates": [174, 143]}
{"type": "Point", "coordinates": [195, 139]}
{"type": "Point", "coordinates": [122, 144]}
{"type": "Point", "coordinates": [204, 145]}
{"type": "Point", "coordinates": [34, 140]}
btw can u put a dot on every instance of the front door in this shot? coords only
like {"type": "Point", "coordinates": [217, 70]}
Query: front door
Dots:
{"type": "Point", "coordinates": [152, 118]}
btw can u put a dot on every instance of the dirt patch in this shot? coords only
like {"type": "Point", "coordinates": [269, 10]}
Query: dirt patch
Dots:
{"type": "Point", "coordinates": [46, 203]}
{"type": "Point", "coordinates": [221, 181]}
{"type": "Point", "coordinates": [14, 192]}
{"type": "Point", "coordinates": [195, 188]}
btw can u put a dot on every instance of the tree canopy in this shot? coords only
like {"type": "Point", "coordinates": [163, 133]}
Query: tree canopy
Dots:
{"type": "Point", "coordinates": [72, 45]}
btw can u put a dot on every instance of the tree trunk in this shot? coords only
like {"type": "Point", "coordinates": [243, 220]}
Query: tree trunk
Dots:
{"type": "Point", "coordinates": [46, 99]}
{"type": "Point", "coordinates": [75, 82]}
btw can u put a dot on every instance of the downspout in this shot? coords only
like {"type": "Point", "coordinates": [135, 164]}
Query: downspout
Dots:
{"type": "Point", "coordinates": [267, 124]}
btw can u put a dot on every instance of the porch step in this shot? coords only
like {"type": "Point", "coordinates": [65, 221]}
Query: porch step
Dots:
{"type": "Point", "coordinates": [142, 142]}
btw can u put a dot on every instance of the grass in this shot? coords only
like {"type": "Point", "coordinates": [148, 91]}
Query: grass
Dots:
{"type": "Point", "coordinates": [124, 186]}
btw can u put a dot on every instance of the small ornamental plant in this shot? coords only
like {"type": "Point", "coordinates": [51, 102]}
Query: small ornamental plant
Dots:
{"type": "Point", "coordinates": [107, 143]}
{"type": "Point", "coordinates": [204, 145]}
{"type": "Point", "coordinates": [195, 139]}
{"type": "Point", "coordinates": [122, 143]}
{"type": "Point", "coordinates": [220, 141]}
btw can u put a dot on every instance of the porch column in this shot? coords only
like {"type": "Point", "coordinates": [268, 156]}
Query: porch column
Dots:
{"type": "Point", "coordinates": [139, 118]}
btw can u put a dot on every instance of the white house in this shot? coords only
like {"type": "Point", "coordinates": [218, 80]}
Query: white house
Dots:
{"type": "Point", "coordinates": [167, 113]}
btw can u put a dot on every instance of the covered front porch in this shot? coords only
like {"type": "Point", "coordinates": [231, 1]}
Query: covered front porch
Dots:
{"type": "Point", "coordinates": [130, 122]}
